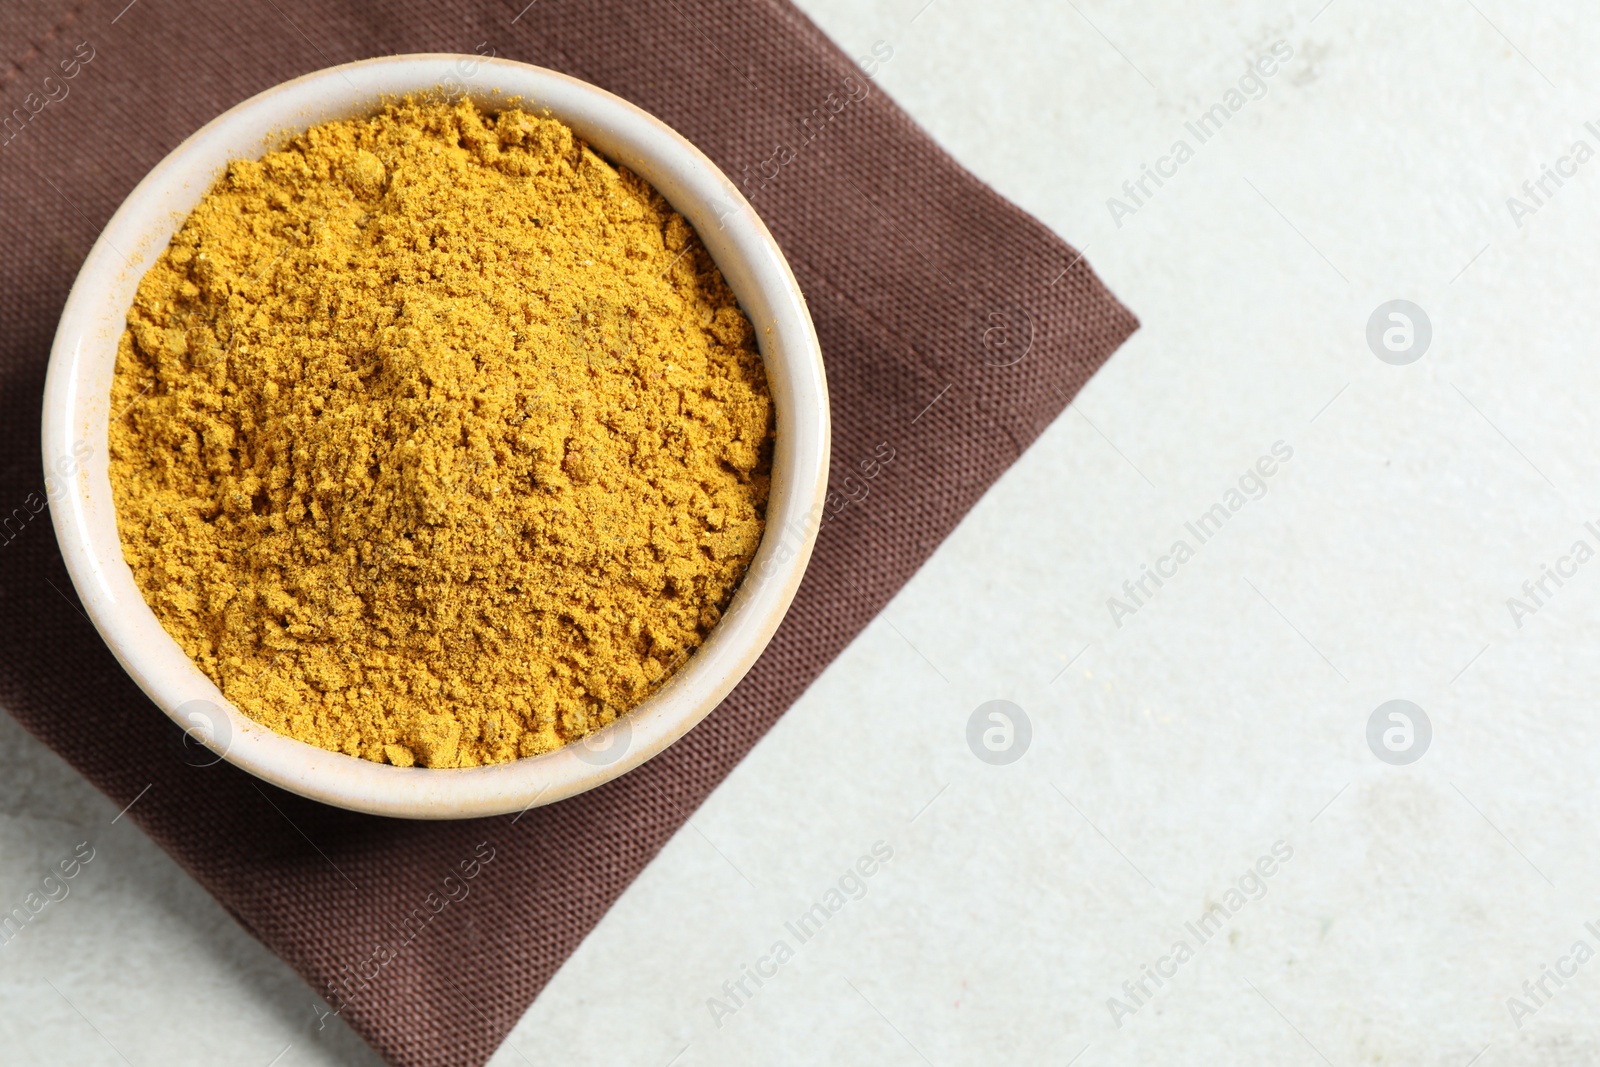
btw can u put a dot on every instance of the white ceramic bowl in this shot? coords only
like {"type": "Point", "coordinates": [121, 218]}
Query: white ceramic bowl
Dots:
{"type": "Point", "coordinates": [77, 399]}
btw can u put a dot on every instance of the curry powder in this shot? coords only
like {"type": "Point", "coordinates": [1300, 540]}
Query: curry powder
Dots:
{"type": "Point", "coordinates": [437, 438]}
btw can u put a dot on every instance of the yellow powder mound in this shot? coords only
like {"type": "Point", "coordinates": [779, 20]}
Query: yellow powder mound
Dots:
{"type": "Point", "coordinates": [438, 439]}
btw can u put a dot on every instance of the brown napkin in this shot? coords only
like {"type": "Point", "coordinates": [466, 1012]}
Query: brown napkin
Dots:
{"type": "Point", "coordinates": [955, 328]}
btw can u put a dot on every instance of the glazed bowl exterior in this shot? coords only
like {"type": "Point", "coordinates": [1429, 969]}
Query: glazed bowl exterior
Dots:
{"type": "Point", "coordinates": [77, 415]}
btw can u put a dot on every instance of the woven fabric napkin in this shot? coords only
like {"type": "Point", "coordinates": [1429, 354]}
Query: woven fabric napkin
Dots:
{"type": "Point", "coordinates": [954, 326]}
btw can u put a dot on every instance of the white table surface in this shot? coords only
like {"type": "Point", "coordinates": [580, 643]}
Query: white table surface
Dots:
{"type": "Point", "coordinates": [1228, 713]}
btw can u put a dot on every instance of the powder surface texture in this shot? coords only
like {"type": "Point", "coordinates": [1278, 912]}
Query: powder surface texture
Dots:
{"type": "Point", "coordinates": [436, 438]}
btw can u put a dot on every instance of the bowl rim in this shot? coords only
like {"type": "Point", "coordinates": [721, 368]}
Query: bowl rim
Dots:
{"type": "Point", "coordinates": [76, 417]}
